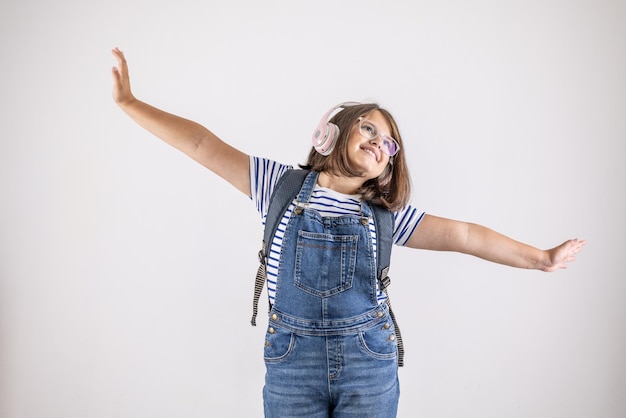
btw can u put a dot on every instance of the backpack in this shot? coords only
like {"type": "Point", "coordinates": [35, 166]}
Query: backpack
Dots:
{"type": "Point", "coordinates": [287, 188]}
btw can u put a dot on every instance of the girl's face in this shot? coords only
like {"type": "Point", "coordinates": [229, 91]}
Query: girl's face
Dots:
{"type": "Point", "coordinates": [366, 155]}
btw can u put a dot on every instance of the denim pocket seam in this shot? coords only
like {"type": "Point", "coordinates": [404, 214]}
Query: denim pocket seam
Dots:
{"type": "Point", "coordinates": [290, 348]}
{"type": "Point", "coordinates": [374, 354]}
{"type": "Point", "coordinates": [347, 245]}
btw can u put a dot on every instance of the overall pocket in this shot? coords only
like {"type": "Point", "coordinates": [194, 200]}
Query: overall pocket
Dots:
{"type": "Point", "coordinates": [325, 263]}
{"type": "Point", "coordinates": [380, 341]}
{"type": "Point", "coordinates": [278, 344]}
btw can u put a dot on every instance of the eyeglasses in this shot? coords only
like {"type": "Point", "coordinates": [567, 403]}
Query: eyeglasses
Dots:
{"type": "Point", "coordinates": [369, 130]}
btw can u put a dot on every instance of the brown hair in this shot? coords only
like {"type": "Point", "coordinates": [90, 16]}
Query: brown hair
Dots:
{"type": "Point", "coordinates": [392, 189]}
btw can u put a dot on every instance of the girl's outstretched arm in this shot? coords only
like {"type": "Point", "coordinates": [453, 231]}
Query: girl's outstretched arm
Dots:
{"type": "Point", "coordinates": [193, 139]}
{"type": "Point", "coordinates": [441, 234]}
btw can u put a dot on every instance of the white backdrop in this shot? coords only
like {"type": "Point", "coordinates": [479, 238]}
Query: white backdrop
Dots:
{"type": "Point", "coordinates": [126, 269]}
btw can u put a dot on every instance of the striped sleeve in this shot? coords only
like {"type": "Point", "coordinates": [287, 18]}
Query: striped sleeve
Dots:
{"type": "Point", "coordinates": [264, 174]}
{"type": "Point", "coordinates": [406, 220]}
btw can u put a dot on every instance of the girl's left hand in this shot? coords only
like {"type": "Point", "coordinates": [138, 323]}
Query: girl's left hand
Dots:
{"type": "Point", "coordinates": [558, 257]}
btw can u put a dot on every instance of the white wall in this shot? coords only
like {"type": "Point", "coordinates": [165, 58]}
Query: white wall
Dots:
{"type": "Point", "coordinates": [124, 291]}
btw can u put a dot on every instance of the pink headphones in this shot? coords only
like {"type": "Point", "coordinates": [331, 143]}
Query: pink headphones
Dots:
{"type": "Point", "coordinates": [326, 133]}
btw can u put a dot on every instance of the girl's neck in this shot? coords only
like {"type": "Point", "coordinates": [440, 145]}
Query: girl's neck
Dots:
{"type": "Point", "coordinates": [341, 184]}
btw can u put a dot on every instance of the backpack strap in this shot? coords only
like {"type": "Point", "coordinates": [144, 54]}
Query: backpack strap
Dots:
{"type": "Point", "coordinates": [285, 191]}
{"type": "Point", "coordinates": [384, 221]}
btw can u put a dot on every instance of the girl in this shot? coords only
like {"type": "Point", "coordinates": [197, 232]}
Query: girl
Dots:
{"type": "Point", "coordinates": [331, 345]}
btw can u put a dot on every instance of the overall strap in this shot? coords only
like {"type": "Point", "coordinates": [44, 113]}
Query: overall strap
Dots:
{"type": "Point", "coordinates": [384, 220]}
{"type": "Point", "coordinates": [284, 192]}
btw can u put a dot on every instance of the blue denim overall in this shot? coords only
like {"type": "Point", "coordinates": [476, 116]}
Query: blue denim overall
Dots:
{"type": "Point", "coordinates": [330, 348]}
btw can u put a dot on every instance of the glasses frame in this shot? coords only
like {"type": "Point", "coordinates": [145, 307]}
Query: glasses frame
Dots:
{"type": "Point", "coordinates": [386, 141]}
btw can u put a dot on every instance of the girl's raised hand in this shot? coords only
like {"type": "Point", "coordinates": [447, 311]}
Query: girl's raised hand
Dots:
{"type": "Point", "coordinates": [563, 254]}
{"type": "Point", "coordinates": [121, 81]}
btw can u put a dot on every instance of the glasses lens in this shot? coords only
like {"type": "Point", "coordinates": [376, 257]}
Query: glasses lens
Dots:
{"type": "Point", "coordinates": [390, 146]}
{"type": "Point", "coordinates": [370, 131]}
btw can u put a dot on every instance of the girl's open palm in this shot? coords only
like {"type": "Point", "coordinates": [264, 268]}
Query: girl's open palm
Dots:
{"type": "Point", "coordinates": [121, 81]}
{"type": "Point", "coordinates": [563, 254]}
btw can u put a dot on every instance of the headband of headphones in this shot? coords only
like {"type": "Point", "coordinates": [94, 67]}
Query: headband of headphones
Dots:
{"type": "Point", "coordinates": [326, 134]}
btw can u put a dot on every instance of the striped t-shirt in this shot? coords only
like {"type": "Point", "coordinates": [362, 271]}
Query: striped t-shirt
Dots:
{"type": "Point", "coordinates": [265, 173]}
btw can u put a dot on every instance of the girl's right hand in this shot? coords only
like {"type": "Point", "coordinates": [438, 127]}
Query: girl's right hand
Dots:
{"type": "Point", "coordinates": [187, 136]}
{"type": "Point", "coordinates": [121, 81]}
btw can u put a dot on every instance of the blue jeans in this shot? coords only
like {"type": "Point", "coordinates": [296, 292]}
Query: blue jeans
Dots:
{"type": "Point", "coordinates": [353, 375]}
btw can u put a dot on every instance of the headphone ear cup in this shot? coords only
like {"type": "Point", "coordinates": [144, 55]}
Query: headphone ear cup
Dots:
{"type": "Point", "coordinates": [325, 137]}
{"type": "Point", "coordinates": [326, 133]}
